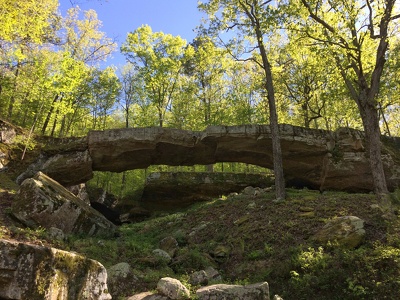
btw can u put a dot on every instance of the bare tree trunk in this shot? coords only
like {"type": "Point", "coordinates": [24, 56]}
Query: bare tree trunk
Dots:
{"type": "Point", "coordinates": [12, 100]}
{"type": "Point", "coordinates": [54, 124]}
{"type": "Point", "coordinates": [370, 120]}
{"type": "Point", "coordinates": [46, 122]}
{"type": "Point", "coordinates": [273, 122]}
{"type": "Point", "coordinates": [62, 129]}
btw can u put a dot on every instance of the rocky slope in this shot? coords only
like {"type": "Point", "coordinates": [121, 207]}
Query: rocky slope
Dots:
{"type": "Point", "coordinates": [304, 248]}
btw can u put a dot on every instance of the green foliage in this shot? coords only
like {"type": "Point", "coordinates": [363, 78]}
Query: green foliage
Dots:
{"type": "Point", "coordinates": [27, 20]}
{"type": "Point", "coordinates": [159, 59]}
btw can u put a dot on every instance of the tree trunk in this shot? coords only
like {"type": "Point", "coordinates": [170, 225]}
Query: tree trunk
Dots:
{"type": "Point", "coordinates": [54, 124]}
{"type": "Point", "coordinates": [127, 117]}
{"type": "Point", "coordinates": [15, 86]}
{"type": "Point", "coordinates": [273, 122]}
{"type": "Point", "coordinates": [62, 129]}
{"type": "Point", "coordinates": [369, 115]}
{"type": "Point", "coordinates": [46, 122]}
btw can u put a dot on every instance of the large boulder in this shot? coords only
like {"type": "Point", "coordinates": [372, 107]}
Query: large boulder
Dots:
{"type": "Point", "coordinates": [42, 273]}
{"type": "Point", "coordinates": [41, 201]}
{"type": "Point", "coordinates": [257, 291]}
{"type": "Point", "coordinates": [347, 231]}
{"type": "Point", "coordinates": [172, 288]}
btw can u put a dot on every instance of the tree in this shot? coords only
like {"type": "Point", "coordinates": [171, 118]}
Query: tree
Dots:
{"type": "Point", "coordinates": [28, 21]}
{"type": "Point", "coordinates": [83, 38]}
{"type": "Point", "coordinates": [83, 45]}
{"type": "Point", "coordinates": [132, 91]}
{"type": "Point", "coordinates": [209, 67]}
{"type": "Point", "coordinates": [158, 57]}
{"type": "Point", "coordinates": [253, 19]}
{"type": "Point", "coordinates": [105, 87]}
{"type": "Point", "coordinates": [24, 27]}
{"type": "Point", "coordinates": [356, 35]}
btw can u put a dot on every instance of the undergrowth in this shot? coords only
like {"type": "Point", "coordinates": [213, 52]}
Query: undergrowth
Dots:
{"type": "Point", "coordinates": [265, 241]}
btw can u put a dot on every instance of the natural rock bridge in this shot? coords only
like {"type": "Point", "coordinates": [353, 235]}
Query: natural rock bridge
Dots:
{"type": "Point", "coordinates": [317, 159]}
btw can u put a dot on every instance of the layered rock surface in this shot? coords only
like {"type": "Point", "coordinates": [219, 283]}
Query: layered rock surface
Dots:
{"type": "Point", "coordinates": [168, 191]}
{"type": "Point", "coordinates": [315, 158]}
{"type": "Point", "coordinates": [37, 272]}
{"type": "Point", "coordinates": [41, 201]}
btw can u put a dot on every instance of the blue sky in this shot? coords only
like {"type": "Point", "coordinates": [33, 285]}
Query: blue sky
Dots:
{"type": "Point", "coordinates": [177, 17]}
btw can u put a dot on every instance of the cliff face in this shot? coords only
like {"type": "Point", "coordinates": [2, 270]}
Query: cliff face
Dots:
{"type": "Point", "coordinates": [314, 158]}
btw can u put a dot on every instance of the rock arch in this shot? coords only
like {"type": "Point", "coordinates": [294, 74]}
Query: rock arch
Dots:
{"type": "Point", "coordinates": [314, 158]}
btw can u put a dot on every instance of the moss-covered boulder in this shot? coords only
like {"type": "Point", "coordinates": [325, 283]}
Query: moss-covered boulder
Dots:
{"type": "Point", "coordinates": [43, 202]}
{"type": "Point", "coordinates": [37, 272]}
{"type": "Point", "coordinates": [347, 231]}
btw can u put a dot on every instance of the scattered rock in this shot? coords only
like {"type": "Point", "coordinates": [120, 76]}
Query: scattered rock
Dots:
{"type": "Point", "coordinates": [198, 228]}
{"type": "Point", "coordinates": [306, 209]}
{"type": "Point", "coordinates": [172, 288]}
{"type": "Point", "coordinates": [163, 255]}
{"type": "Point", "coordinates": [120, 279]}
{"type": "Point", "coordinates": [169, 245]}
{"type": "Point", "coordinates": [253, 191]}
{"type": "Point", "coordinates": [242, 220]}
{"type": "Point", "coordinates": [204, 277]}
{"type": "Point", "coordinates": [56, 233]}
{"type": "Point", "coordinates": [41, 201]}
{"type": "Point", "coordinates": [347, 231]}
{"type": "Point", "coordinates": [37, 272]}
{"type": "Point", "coordinates": [148, 296]}
{"type": "Point", "coordinates": [213, 275]}
{"type": "Point", "coordinates": [309, 214]}
{"type": "Point", "coordinates": [258, 291]}
{"type": "Point", "coordinates": [252, 205]}
{"type": "Point", "coordinates": [198, 278]}
{"type": "Point", "coordinates": [221, 252]}
{"type": "Point", "coordinates": [121, 270]}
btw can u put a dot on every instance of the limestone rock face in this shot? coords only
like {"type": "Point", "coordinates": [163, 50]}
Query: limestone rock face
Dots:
{"type": "Point", "coordinates": [314, 158]}
{"type": "Point", "coordinates": [171, 190]}
{"type": "Point", "coordinates": [71, 168]}
{"type": "Point", "coordinates": [257, 291]}
{"type": "Point", "coordinates": [42, 273]}
{"type": "Point", "coordinates": [41, 201]}
{"type": "Point", "coordinates": [347, 231]}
